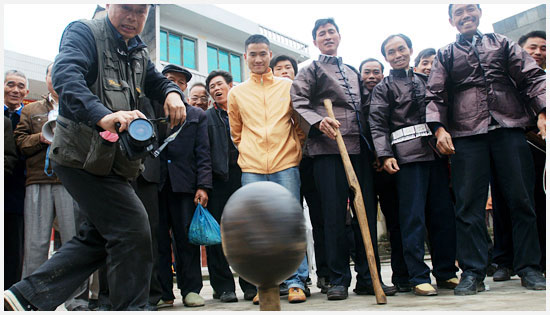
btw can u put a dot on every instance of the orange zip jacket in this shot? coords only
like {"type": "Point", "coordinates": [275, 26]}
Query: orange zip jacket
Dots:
{"type": "Point", "coordinates": [262, 125]}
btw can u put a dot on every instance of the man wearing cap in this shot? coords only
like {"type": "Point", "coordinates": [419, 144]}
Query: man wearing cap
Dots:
{"type": "Point", "coordinates": [185, 179]}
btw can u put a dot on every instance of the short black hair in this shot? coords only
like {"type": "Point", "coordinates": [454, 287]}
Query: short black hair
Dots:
{"type": "Point", "coordinates": [451, 10]}
{"type": "Point", "coordinates": [197, 84]}
{"type": "Point", "coordinates": [524, 38]}
{"type": "Point", "coordinates": [404, 37]}
{"type": "Point", "coordinates": [425, 53]}
{"type": "Point", "coordinates": [280, 58]}
{"type": "Point", "coordinates": [321, 22]}
{"type": "Point", "coordinates": [370, 60]}
{"type": "Point", "coordinates": [256, 39]}
{"type": "Point", "coordinates": [224, 74]}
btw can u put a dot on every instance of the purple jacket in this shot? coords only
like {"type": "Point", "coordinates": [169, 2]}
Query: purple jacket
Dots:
{"type": "Point", "coordinates": [497, 79]}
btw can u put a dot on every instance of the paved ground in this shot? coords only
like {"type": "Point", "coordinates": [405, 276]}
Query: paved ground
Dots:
{"type": "Point", "coordinates": [501, 296]}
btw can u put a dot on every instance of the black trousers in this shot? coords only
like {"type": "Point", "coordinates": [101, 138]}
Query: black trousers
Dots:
{"type": "Point", "coordinates": [13, 248]}
{"type": "Point", "coordinates": [310, 194]}
{"type": "Point", "coordinates": [503, 252]}
{"type": "Point", "coordinates": [221, 277]}
{"type": "Point", "coordinates": [504, 154]}
{"type": "Point", "coordinates": [179, 207]}
{"type": "Point", "coordinates": [115, 232]}
{"type": "Point", "coordinates": [333, 188]}
{"type": "Point", "coordinates": [385, 186]}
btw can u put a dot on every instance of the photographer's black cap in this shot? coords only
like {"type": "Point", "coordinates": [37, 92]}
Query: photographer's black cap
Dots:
{"type": "Point", "coordinates": [176, 68]}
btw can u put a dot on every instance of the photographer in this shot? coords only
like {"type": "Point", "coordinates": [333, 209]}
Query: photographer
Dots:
{"type": "Point", "coordinates": [101, 71]}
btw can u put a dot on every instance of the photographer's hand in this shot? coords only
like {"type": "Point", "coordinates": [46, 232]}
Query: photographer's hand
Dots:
{"type": "Point", "coordinates": [175, 108]}
{"type": "Point", "coordinates": [122, 117]}
{"type": "Point", "coordinates": [201, 196]}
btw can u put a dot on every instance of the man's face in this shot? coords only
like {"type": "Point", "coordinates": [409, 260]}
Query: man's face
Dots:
{"type": "Point", "coordinates": [219, 89]}
{"type": "Point", "coordinates": [284, 69]}
{"type": "Point", "coordinates": [327, 40]}
{"type": "Point", "coordinates": [15, 90]}
{"type": "Point", "coordinates": [536, 47]}
{"type": "Point", "coordinates": [425, 65]}
{"type": "Point", "coordinates": [198, 97]}
{"type": "Point", "coordinates": [465, 17]}
{"type": "Point", "coordinates": [397, 53]}
{"type": "Point", "coordinates": [371, 74]}
{"type": "Point", "coordinates": [178, 78]}
{"type": "Point", "coordinates": [258, 57]}
{"type": "Point", "coordinates": [49, 81]}
{"type": "Point", "coordinates": [128, 19]}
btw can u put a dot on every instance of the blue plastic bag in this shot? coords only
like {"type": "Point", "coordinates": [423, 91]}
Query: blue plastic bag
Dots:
{"type": "Point", "coordinates": [204, 230]}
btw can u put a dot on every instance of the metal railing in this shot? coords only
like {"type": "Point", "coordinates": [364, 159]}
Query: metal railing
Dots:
{"type": "Point", "coordinates": [283, 39]}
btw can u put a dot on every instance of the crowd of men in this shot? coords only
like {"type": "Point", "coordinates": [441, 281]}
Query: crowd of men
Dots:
{"type": "Point", "coordinates": [426, 143]}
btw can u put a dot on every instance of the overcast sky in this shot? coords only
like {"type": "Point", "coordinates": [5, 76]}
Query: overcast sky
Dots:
{"type": "Point", "coordinates": [35, 29]}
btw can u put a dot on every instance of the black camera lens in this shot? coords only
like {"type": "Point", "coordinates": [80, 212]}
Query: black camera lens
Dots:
{"type": "Point", "coordinates": [140, 130]}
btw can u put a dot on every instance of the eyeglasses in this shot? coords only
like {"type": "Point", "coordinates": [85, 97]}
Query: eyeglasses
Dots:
{"type": "Point", "coordinates": [202, 98]}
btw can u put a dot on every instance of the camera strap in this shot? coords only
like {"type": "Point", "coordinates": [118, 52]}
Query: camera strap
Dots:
{"type": "Point", "coordinates": [169, 139]}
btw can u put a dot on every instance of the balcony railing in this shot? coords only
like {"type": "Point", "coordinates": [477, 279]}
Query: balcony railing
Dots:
{"type": "Point", "coordinates": [283, 39]}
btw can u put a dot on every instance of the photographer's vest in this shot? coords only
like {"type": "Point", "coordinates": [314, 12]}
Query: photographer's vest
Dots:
{"type": "Point", "coordinates": [119, 85]}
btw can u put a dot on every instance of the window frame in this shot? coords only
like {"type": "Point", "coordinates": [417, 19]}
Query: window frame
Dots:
{"type": "Point", "coordinates": [229, 54]}
{"type": "Point", "coordinates": [182, 38]}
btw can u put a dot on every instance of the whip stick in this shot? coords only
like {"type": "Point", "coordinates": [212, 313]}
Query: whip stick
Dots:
{"type": "Point", "coordinates": [359, 210]}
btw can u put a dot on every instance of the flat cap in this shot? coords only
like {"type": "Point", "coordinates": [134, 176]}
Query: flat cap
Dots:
{"type": "Point", "coordinates": [176, 68]}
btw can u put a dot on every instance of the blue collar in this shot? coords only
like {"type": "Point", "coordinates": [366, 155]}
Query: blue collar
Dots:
{"type": "Point", "coordinates": [18, 112]}
{"type": "Point", "coordinates": [132, 43]}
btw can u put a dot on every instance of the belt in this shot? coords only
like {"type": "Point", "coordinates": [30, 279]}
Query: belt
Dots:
{"type": "Point", "coordinates": [411, 132]}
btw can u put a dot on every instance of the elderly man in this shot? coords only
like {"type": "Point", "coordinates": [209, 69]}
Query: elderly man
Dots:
{"type": "Point", "coordinates": [95, 61]}
{"type": "Point", "coordinates": [198, 96]}
{"type": "Point", "coordinates": [480, 93]}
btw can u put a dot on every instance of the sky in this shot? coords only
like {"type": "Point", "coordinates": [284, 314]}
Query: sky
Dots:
{"type": "Point", "coordinates": [363, 27]}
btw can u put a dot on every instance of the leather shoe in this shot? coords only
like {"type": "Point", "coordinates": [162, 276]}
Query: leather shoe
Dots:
{"type": "Point", "coordinates": [296, 295]}
{"type": "Point", "coordinates": [502, 274]}
{"type": "Point", "coordinates": [256, 300]}
{"type": "Point", "coordinates": [403, 287]}
{"type": "Point", "coordinates": [369, 290]}
{"type": "Point", "coordinates": [322, 283]}
{"type": "Point", "coordinates": [533, 280]}
{"type": "Point", "coordinates": [337, 292]}
{"type": "Point", "coordinates": [447, 284]}
{"type": "Point", "coordinates": [228, 297]}
{"type": "Point", "coordinates": [424, 289]}
{"type": "Point", "coordinates": [469, 285]}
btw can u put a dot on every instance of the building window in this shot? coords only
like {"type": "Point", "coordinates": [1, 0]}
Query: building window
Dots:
{"type": "Point", "coordinates": [224, 60]}
{"type": "Point", "coordinates": [177, 49]}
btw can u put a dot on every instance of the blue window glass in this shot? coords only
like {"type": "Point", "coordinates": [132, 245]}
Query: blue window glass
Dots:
{"type": "Point", "coordinates": [212, 58]}
{"type": "Point", "coordinates": [174, 53]}
{"type": "Point", "coordinates": [236, 68]}
{"type": "Point", "coordinates": [189, 53]}
{"type": "Point", "coordinates": [223, 59]}
{"type": "Point", "coordinates": [163, 46]}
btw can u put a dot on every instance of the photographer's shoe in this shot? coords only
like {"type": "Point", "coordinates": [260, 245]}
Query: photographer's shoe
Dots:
{"type": "Point", "coordinates": [14, 301]}
{"type": "Point", "coordinates": [533, 280]}
{"type": "Point", "coordinates": [469, 285]}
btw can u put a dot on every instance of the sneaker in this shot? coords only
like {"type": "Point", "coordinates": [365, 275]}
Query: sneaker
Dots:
{"type": "Point", "coordinates": [447, 284]}
{"type": "Point", "coordinates": [14, 301]}
{"type": "Point", "coordinates": [228, 297]}
{"type": "Point", "coordinates": [192, 299]}
{"type": "Point", "coordinates": [163, 303]}
{"type": "Point", "coordinates": [296, 295]}
{"type": "Point", "coordinates": [256, 300]}
{"type": "Point", "coordinates": [249, 294]}
{"type": "Point", "coordinates": [469, 285]}
{"type": "Point", "coordinates": [424, 289]}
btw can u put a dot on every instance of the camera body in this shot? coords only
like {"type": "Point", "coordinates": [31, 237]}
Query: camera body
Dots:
{"type": "Point", "coordinates": [137, 141]}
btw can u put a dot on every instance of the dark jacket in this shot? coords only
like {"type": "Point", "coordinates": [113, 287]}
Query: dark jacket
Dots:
{"type": "Point", "coordinates": [398, 101]}
{"type": "Point", "coordinates": [27, 136]}
{"type": "Point", "coordinates": [220, 140]}
{"type": "Point", "coordinates": [14, 184]}
{"type": "Point", "coordinates": [497, 79]}
{"type": "Point", "coordinates": [10, 152]}
{"type": "Point", "coordinates": [329, 78]}
{"type": "Point", "coordinates": [186, 160]}
{"type": "Point", "coordinates": [151, 173]}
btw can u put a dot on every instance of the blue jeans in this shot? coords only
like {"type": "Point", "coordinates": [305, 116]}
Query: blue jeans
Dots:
{"type": "Point", "coordinates": [290, 179]}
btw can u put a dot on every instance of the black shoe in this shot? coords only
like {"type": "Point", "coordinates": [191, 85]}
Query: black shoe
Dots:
{"type": "Point", "coordinates": [533, 280]}
{"type": "Point", "coordinates": [307, 291]}
{"type": "Point", "coordinates": [491, 269]}
{"type": "Point", "coordinates": [216, 295]}
{"type": "Point", "coordinates": [322, 283]}
{"type": "Point", "coordinates": [283, 289]}
{"type": "Point", "coordinates": [93, 304]}
{"type": "Point", "coordinates": [369, 290]}
{"type": "Point", "coordinates": [403, 287]}
{"type": "Point", "coordinates": [469, 285]}
{"type": "Point", "coordinates": [150, 307]}
{"type": "Point", "coordinates": [502, 274]}
{"type": "Point", "coordinates": [337, 292]}
{"type": "Point", "coordinates": [14, 301]}
{"type": "Point", "coordinates": [249, 294]}
{"type": "Point", "coordinates": [228, 297]}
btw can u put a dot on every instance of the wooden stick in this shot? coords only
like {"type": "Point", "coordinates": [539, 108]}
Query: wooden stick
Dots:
{"type": "Point", "coordinates": [359, 210]}
{"type": "Point", "coordinates": [269, 299]}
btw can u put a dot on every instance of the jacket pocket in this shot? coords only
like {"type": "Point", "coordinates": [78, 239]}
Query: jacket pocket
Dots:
{"type": "Point", "coordinates": [71, 143]}
{"type": "Point", "coordinates": [466, 104]}
{"type": "Point", "coordinates": [101, 155]}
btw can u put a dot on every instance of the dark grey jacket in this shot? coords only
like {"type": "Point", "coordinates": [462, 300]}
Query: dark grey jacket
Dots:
{"type": "Point", "coordinates": [396, 102]}
{"type": "Point", "coordinates": [219, 145]}
{"type": "Point", "coordinates": [497, 78]}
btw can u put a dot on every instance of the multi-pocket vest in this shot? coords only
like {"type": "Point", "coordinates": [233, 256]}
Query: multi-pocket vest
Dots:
{"type": "Point", "coordinates": [119, 85]}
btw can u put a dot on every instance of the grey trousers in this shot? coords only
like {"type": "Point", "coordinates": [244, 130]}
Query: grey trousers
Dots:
{"type": "Point", "coordinates": [43, 202]}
